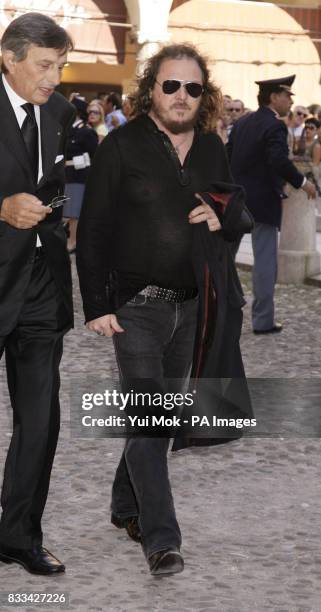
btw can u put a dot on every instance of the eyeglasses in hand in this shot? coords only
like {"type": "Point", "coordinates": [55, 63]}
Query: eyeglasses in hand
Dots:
{"type": "Point", "coordinates": [58, 201]}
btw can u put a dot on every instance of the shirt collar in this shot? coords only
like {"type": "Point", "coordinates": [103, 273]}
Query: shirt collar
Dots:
{"type": "Point", "coordinates": [14, 98]}
{"type": "Point", "coordinates": [274, 112]}
{"type": "Point", "coordinates": [149, 123]}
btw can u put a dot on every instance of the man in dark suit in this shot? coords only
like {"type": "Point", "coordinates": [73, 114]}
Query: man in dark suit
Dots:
{"type": "Point", "coordinates": [35, 280]}
{"type": "Point", "coordinates": [258, 152]}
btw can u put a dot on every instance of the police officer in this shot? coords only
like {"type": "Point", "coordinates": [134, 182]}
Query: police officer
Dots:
{"type": "Point", "coordinates": [258, 152]}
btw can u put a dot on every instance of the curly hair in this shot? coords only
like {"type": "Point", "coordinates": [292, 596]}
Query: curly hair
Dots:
{"type": "Point", "coordinates": [211, 102]}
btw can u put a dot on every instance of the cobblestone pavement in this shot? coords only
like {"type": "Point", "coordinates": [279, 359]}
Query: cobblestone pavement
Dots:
{"type": "Point", "coordinates": [249, 510]}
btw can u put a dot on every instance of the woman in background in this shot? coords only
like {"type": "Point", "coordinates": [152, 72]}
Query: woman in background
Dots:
{"type": "Point", "coordinates": [96, 119]}
{"type": "Point", "coordinates": [81, 146]}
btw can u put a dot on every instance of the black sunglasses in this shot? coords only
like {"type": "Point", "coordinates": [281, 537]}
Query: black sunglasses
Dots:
{"type": "Point", "coordinates": [301, 114]}
{"type": "Point", "coordinates": [169, 87]}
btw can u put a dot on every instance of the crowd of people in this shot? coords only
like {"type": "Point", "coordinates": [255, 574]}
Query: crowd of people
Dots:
{"type": "Point", "coordinates": [304, 133]}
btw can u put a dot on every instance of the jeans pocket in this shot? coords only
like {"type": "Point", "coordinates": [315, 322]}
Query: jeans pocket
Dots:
{"type": "Point", "coordinates": [137, 300]}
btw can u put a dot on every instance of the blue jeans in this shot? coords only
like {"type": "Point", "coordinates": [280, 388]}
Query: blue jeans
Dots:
{"type": "Point", "coordinates": [157, 344]}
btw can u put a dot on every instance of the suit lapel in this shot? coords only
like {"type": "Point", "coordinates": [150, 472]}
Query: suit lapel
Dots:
{"type": "Point", "coordinates": [10, 133]}
{"type": "Point", "coordinates": [51, 131]}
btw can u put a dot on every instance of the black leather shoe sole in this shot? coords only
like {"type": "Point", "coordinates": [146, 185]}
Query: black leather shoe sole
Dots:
{"type": "Point", "coordinates": [166, 562]}
{"type": "Point", "coordinates": [41, 572]}
{"type": "Point", "coordinates": [276, 329]}
{"type": "Point", "coordinates": [130, 524]}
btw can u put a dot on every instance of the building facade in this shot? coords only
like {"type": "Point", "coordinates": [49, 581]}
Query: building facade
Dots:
{"type": "Point", "coordinates": [245, 41]}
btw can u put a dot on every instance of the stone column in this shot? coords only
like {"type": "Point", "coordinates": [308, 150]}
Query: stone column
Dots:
{"type": "Point", "coordinates": [298, 256]}
{"type": "Point", "coordinates": [149, 19]}
{"type": "Point", "coordinates": [318, 213]}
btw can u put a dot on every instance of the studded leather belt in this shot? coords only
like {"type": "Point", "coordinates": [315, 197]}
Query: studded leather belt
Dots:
{"type": "Point", "coordinates": [168, 295]}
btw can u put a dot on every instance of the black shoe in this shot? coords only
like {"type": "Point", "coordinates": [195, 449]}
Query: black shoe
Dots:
{"type": "Point", "coordinates": [37, 560]}
{"type": "Point", "coordinates": [169, 561]}
{"type": "Point", "coordinates": [277, 327]}
{"type": "Point", "coordinates": [130, 524]}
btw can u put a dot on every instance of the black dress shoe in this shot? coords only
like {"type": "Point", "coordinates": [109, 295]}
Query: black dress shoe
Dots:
{"type": "Point", "coordinates": [37, 560]}
{"type": "Point", "coordinates": [165, 562]}
{"type": "Point", "coordinates": [130, 524]}
{"type": "Point", "coordinates": [277, 327]}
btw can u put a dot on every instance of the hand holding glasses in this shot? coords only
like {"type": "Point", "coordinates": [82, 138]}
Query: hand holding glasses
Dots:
{"type": "Point", "coordinates": [170, 86]}
{"type": "Point", "coordinates": [57, 201]}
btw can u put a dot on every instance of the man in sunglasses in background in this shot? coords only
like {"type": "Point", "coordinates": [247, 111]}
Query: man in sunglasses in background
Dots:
{"type": "Point", "coordinates": [136, 222]}
{"type": "Point", "coordinates": [35, 280]}
{"type": "Point", "coordinates": [237, 110]}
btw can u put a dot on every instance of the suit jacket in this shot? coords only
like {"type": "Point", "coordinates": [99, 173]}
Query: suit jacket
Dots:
{"type": "Point", "coordinates": [16, 245]}
{"type": "Point", "coordinates": [258, 153]}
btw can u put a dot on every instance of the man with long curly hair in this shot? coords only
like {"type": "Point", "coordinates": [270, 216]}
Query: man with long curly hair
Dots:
{"type": "Point", "coordinates": [136, 227]}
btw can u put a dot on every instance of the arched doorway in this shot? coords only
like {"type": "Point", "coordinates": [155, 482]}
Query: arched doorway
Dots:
{"type": "Point", "coordinates": [103, 57]}
{"type": "Point", "coordinates": [246, 42]}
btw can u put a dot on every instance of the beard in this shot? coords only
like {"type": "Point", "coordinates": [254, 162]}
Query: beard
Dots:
{"type": "Point", "coordinates": [176, 126]}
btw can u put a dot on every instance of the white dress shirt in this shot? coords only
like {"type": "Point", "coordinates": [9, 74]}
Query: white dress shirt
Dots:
{"type": "Point", "coordinates": [16, 101]}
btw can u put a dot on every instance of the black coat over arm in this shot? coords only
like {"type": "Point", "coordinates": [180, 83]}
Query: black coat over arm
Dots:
{"type": "Point", "coordinates": [217, 371]}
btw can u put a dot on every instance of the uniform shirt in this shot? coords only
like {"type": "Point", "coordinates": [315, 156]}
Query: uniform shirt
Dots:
{"type": "Point", "coordinates": [259, 157]}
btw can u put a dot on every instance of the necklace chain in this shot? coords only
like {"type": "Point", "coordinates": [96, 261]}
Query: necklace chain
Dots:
{"type": "Point", "coordinates": [178, 146]}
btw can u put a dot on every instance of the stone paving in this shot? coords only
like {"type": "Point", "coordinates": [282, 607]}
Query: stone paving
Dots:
{"type": "Point", "coordinates": [249, 510]}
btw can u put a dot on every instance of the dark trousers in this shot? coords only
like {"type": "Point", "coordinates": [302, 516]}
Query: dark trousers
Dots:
{"type": "Point", "coordinates": [157, 344]}
{"type": "Point", "coordinates": [33, 351]}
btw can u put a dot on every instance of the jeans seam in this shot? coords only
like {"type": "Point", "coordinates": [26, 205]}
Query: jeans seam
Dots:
{"type": "Point", "coordinates": [118, 362]}
{"type": "Point", "coordinates": [175, 324]}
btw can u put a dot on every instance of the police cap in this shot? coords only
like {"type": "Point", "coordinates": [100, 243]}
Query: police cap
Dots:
{"type": "Point", "coordinates": [277, 85]}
